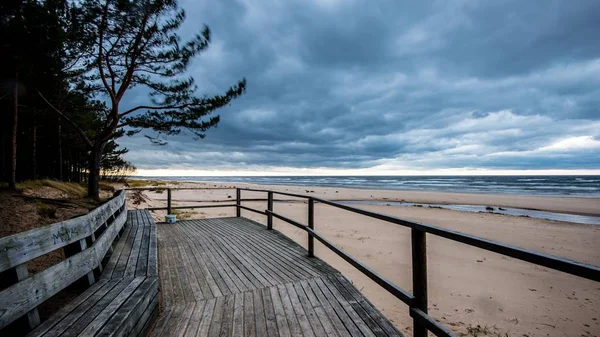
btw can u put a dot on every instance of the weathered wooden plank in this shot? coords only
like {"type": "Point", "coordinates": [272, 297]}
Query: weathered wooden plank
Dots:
{"type": "Point", "coordinates": [311, 315]}
{"type": "Point", "coordinates": [33, 317]}
{"type": "Point", "coordinates": [190, 276]}
{"type": "Point", "coordinates": [286, 243]}
{"type": "Point", "coordinates": [122, 262]}
{"type": "Point", "coordinates": [215, 275]}
{"type": "Point", "coordinates": [146, 321]}
{"type": "Point", "coordinates": [259, 314]}
{"type": "Point", "coordinates": [282, 323]}
{"type": "Point", "coordinates": [207, 314]}
{"type": "Point", "coordinates": [246, 276]}
{"type": "Point", "coordinates": [270, 317]}
{"type": "Point", "coordinates": [181, 272]}
{"type": "Point", "coordinates": [248, 313]}
{"type": "Point", "coordinates": [219, 268]}
{"type": "Point", "coordinates": [292, 319]}
{"type": "Point", "coordinates": [336, 288]}
{"type": "Point", "coordinates": [171, 324]}
{"type": "Point", "coordinates": [232, 278]}
{"type": "Point", "coordinates": [240, 276]}
{"type": "Point", "coordinates": [367, 306]}
{"type": "Point", "coordinates": [161, 323]}
{"type": "Point", "coordinates": [333, 295]}
{"type": "Point", "coordinates": [298, 309]}
{"type": "Point", "coordinates": [268, 262]}
{"type": "Point", "coordinates": [74, 309]}
{"type": "Point", "coordinates": [118, 249]}
{"type": "Point", "coordinates": [265, 279]}
{"type": "Point", "coordinates": [238, 314]}
{"type": "Point", "coordinates": [270, 287]}
{"type": "Point", "coordinates": [22, 297]}
{"type": "Point", "coordinates": [135, 249]}
{"type": "Point", "coordinates": [268, 265]}
{"type": "Point", "coordinates": [125, 317]}
{"type": "Point", "coordinates": [90, 312]}
{"type": "Point", "coordinates": [217, 318]}
{"type": "Point", "coordinates": [152, 247]}
{"type": "Point", "coordinates": [176, 282]}
{"type": "Point", "coordinates": [208, 287]}
{"type": "Point", "coordinates": [322, 307]}
{"type": "Point", "coordinates": [110, 307]}
{"type": "Point", "coordinates": [276, 244]}
{"type": "Point", "coordinates": [349, 324]}
{"type": "Point", "coordinates": [142, 262]}
{"type": "Point", "coordinates": [183, 320]}
{"type": "Point", "coordinates": [194, 321]}
{"type": "Point", "coordinates": [106, 239]}
{"type": "Point", "coordinates": [20, 248]}
{"type": "Point", "coordinates": [100, 320]}
{"type": "Point", "coordinates": [227, 320]}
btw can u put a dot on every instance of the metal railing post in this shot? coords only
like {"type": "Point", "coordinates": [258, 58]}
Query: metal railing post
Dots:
{"type": "Point", "coordinates": [270, 208]}
{"type": "Point", "coordinates": [168, 201]}
{"type": "Point", "coordinates": [419, 270]}
{"type": "Point", "coordinates": [311, 225]}
{"type": "Point", "coordinates": [238, 202]}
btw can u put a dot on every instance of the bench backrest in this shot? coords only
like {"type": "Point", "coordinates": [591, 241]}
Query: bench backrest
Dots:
{"type": "Point", "coordinates": [87, 239]}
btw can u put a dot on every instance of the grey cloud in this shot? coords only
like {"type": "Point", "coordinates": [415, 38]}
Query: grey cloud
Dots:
{"type": "Point", "coordinates": [356, 84]}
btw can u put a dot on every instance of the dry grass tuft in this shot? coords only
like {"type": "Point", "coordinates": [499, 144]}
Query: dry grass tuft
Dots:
{"type": "Point", "coordinates": [45, 210]}
{"type": "Point", "coordinates": [72, 189]}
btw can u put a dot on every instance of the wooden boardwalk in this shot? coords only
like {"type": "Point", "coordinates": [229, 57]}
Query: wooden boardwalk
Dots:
{"type": "Point", "coordinates": [232, 277]}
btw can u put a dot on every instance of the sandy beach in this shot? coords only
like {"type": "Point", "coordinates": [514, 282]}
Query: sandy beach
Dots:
{"type": "Point", "coordinates": [467, 286]}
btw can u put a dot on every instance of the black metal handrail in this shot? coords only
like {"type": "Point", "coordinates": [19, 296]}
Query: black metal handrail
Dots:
{"type": "Point", "coordinates": [417, 301]}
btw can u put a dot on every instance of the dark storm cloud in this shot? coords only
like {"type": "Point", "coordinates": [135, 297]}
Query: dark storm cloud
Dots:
{"type": "Point", "coordinates": [358, 84]}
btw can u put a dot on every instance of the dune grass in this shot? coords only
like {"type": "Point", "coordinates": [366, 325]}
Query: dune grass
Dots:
{"type": "Point", "coordinates": [73, 189]}
{"type": "Point", "coordinates": [146, 183]}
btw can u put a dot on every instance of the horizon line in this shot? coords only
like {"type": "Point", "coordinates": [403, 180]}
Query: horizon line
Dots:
{"type": "Point", "coordinates": [288, 172]}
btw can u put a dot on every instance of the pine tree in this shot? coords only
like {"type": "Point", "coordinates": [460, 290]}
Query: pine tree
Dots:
{"type": "Point", "coordinates": [135, 43]}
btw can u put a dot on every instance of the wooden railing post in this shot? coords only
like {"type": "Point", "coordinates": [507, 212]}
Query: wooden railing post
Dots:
{"type": "Point", "coordinates": [168, 201]}
{"type": "Point", "coordinates": [21, 273]}
{"type": "Point", "coordinates": [419, 270]}
{"type": "Point", "coordinates": [90, 276]}
{"type": "Point", "coordinates": [270, 208]}
{"type": "Point", "coordinates": [311, 225]}
{"type": "Point", "coordinates": [238, 202]}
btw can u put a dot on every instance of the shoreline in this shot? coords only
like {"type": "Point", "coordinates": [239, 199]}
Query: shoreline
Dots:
{"type": "Point", "coordinates": [587, 206]}
{"type": "Point", "coordinates": [553, 186]}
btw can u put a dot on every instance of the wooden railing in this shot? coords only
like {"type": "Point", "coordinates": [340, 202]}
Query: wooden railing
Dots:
{"type": "Point", "coordinates": [417, 301]}
{"type": "Point", "coordinates": [86, 240]}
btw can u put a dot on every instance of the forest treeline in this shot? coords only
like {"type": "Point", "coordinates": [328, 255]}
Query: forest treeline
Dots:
{"type": "Point", "coordinates": [67, 67]}
{"type": "Point", "coordinates": [34, 44]}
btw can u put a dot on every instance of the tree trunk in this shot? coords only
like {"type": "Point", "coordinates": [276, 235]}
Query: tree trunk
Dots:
{"type": "Point", "coordinates": [94, 172]}
{"type": "Point", "coordinates": [12, 183]}
{"type": "Point", "coordinates": [34, 150]}
{"type": "Point", "coordinates": [60, 154]}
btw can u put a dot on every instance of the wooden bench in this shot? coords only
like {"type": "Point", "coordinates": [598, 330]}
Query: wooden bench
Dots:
{"type": "Point", "coordinates": [117, 256]}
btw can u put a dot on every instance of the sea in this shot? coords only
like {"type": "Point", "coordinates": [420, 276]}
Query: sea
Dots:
{"type": "Point", "coordinates": [576, 186]}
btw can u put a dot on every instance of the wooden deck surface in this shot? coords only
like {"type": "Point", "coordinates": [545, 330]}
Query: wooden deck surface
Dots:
{"type": "Point", "coordinates": [232, 277]}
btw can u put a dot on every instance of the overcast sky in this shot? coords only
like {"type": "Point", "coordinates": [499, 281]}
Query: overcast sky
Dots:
{"type": "Point", "coordinates": [348, 86]}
